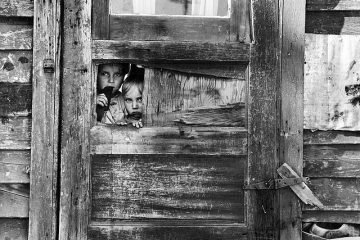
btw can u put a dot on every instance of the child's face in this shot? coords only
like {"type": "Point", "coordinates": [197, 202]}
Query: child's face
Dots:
{"type": "Point", "coordinates": [133, 100]}
{"type": "Point", "coordinates": [110, 76]}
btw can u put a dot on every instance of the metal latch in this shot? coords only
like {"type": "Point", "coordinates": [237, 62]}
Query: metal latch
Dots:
{"type": "Point", "coordinates": [49, 65]}
{"type": "Point", "coordinates": [275, 183]}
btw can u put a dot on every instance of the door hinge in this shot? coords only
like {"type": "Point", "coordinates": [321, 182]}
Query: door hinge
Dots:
{"type": "Point", "coordinates": [275, 183]}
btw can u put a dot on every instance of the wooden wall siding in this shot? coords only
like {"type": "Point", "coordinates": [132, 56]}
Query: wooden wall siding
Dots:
{"type": "Point", "coordinates": [178, 140]}
{"type": "Point", "coordinates": [332, 216]}
{"type": "Point", "coordinates": [15, 133]}
{"type": "Point", "coordinates": [193, 100]}
{"type": "Point", "coordinates": [168, 187]}
{"type": "Point", "coordinates": [162, 232]}
{"type": "Point", "coordinates": [14, 166]}
{"type": "Point", "coordinates": [14, 200]}
{"type": "Point", "coordinates": [332, 5]}
{"type": "Point", "coordinates": [15, 66]}
{"type": "Point", "coordinates": [158, 51]}
{"type": "Point", "coordinates": [15, 34]}
{"type": "Point", "coordinates": [22, 8]}
{"type": "Point", "coordinates": [15, 99]}
{"type": "Point", "coordinates": [331, 76]}
{"type": "Point", "coordinates": [13, 229]}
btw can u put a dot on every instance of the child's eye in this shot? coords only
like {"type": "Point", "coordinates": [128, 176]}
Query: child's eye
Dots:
{"type": "Point", "coordinates": [105, 74]}
{"type": "Point", "coordinates": [117, 75]}
{"type": "Point", "coordinates": [128, 100]}
{"type": "Point", "coordinates": [139, 100]}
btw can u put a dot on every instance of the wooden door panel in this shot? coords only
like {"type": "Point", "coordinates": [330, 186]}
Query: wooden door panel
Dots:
{"type": "Point", "coordinates": [168, 187]}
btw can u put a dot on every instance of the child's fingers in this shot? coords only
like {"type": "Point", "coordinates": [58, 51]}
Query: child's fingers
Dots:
{"type": "Point", "coordinates": [102, 100]}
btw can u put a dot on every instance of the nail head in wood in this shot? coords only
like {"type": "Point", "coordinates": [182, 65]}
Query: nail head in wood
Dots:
{"type": "Point", "coordinates": [49, 65]}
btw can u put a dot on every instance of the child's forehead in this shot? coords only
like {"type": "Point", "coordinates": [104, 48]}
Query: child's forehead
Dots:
{"type": "Point", "coordinates": [111, 67]}
{"type": "Point", "coordinates": [134, 91]}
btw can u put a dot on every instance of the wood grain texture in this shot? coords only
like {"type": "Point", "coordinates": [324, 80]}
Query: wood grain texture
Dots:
{"type": "Point", "coordinates": [332, 5]}
{"type": "Point", "coordinates": [15, 99]}
{"type": "Point", "coordinates": [240, 15]}
{"type": "Point", "coordinates": [17, 8]}
{"type": "Point", "coordinates": [168, 187]}
{"type": "Point", "coordinates": [263, 140]}
{"type": "Point", "coordinates": [337, 194]}
{"type": "Point", "coordinates": [343, 22]}
{"type": "Point", "coordinates": [292, 115]}
{"type": "Point", "coordinates": [14, 201]}
{"type": "Point", "coordinates": [169, 140]}
{"type": "Point", "coordinates": [15, 34]}
{"type": "Point", "coordinates": [76, 85]}
{"type": "Point", "coordinates": [15, 166]}
{"type": "Point", "coordinates": [15, 133]}
{"type": "Point", "coordinates": [100, 21]}
{"type": "Point", "coordinates": [214, 69]}
{"type": "Point", "coordinates": [196, 100]}
{"type": "Point", "coordinates": [11, 229]}
{"type": "Point", "coordinates": [169, 28]}
{"type": "Point", "coordinates": [331, 137]}
{"type": "Point", "coordinates": [159, 51]}
{"type": "Point", "coordinates": [332, 216]}
{"type": "Point", "coordinates": [44, 194]}
{"type": "Point", "coordinates": [173, 233]}
{"type": "Point", "coordinates": [16, 66]}
{"type": "Point", "coordinates": [337, 161]}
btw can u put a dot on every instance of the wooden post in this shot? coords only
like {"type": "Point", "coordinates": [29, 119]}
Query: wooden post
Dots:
{"type": "Point", "coordinates": [292, 17]}
{"type": "Point", "coordinates": [45, 122]}
{"type": "Point", "coordinates": [76, 116]}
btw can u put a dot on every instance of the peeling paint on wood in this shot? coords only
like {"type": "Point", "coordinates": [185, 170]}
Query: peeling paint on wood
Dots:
{"type": "Point", "coordinates": [17, 8]}
{"type": "Point", "coordinates": [171, 187]}
{"type": "Point", "coordinates": [16, 66]}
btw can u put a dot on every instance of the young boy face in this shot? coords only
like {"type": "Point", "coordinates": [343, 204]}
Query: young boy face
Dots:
{"type": "Point", "coordinates": [110, 76]}
{"type": "Point", "coordinates": [133, 101]}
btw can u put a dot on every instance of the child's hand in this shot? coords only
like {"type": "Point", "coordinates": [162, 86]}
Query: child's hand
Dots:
{"type": "Point", "coordinates": [101, 100]}
{"type": "Point", "coordinates": [137, 124]}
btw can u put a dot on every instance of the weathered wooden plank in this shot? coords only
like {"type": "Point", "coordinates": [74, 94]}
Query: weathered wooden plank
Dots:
{"type": "Point", "coordinates": [170, 96]}
{"type": "Point", "coordinates": [332, 216]}
{"type": "Point", "coordinates": [332, 5]}
{"type": "Point", "coordinates": [17, 8]}
{"type": "Point", "coordinates": [15, 34]}
{"type": "Point", "coordinates": [44, 194]}
{"type": "Point", "coordinates": [342, 22]}
{"type": "Point", "coordinates": [331, 137]}
{"type": "Point", "coordinates": [168, 28]}
{"type": "Point", "coordinates": [14, 166]}
{"type": "Point", "coordinates": [11, 229]}
{"type": "Point", "coordinates": [240, 21]}
{"type": "Point", "coordinates": [292, 115]}
{"type": "Point", "coordinates": [76, 117]}
{"type": "Point", "coordinates": [15, 99]}
{"type": "Point", "coordinates": [340, 194]}
{"type": "Point", "coordinates": [16, 66]}
{"type": "Point", "coordinates": [215, 69]}
{"type": "Point", "coordinates": [15, 133]}
{"type": "Point", "coordinates": [263, 140]}
{"type": "Point", "coordinates": [14, 200]}
{"type": "Point", "coordinates": [170, 187]}
{"type": "Point", "coordinates": [227, 232]}
{"type": "Point", "coordinates": [160, 51]}
{"type": "Point", "coordinates": [100, 19]}
{"type": "Point", "coordinates": [338, 161]}
{"type": "Point", "coordinates": [168, 140]}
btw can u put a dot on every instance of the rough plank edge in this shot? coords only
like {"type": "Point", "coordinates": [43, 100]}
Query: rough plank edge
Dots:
{"type": "Point", "coordinates": [332, 216]}
{"type": "Point", "coordinates": [342, 5]}
{"type": "Point", "coordinates": [330, 137]}
{"type": "Point", "coordinates": [148, 51]}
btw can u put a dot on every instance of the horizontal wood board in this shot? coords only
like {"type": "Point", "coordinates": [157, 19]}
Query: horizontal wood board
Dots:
{"type": "Point", "coordinates": [16, 33]}
{"type": "Point", "coordinates": [14, 200]}
{"type": "Point", "coordinates": [168, 28]}
{"type": "Point", "coordinates": [193, 100]}
{"type": "Point", "coordinates": [14, 166]}
{"type": "Point", "coordinates": [332, 5]}
{"type": "Point", "coordinates": [160, 51]}
{"type": "Point", "coordinates": [332, 216]}
{"type": "Point", "coordinates": [18, 8]}
{"type": "Point", "coordinates": [15, 133]}
{"type": "Point", "coordinates": [168, 187]}
{"type": "Point", "coordinates": [14, 229]}
{"type": "Point", "coordinates": [331, 137]}
{"type": "Point", "coordinates": [15, 99]}
{"type": "Point", "coordinates": [168, 140]}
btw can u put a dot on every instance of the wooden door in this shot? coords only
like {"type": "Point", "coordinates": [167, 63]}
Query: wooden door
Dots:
{"type": "Point", "coordinates": [217, 115]}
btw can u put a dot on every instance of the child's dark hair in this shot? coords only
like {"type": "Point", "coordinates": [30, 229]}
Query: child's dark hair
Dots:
{"type": "Point", "coordinates": [125, 67]}
{"type": "Point", "coordinates": [130, 82]}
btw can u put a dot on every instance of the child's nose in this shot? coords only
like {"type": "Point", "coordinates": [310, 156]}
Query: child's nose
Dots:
{"type": "Point", "coordinates": [111, 79]}
{"type": "Point", "coordinates": [135, 105]}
